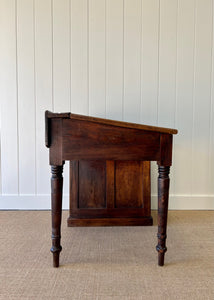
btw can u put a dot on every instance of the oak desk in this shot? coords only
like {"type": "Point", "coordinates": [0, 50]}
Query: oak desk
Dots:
{"type": "Point", "coordinates": [75, 137]}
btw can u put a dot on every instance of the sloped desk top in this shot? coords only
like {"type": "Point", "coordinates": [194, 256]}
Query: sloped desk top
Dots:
{"type": "Point", "coordinates": [76, 137]}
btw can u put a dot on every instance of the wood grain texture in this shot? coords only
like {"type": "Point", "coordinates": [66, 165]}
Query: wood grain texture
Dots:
{"type": "Point", "coordinates": [110, 184]}
{"type": "Point", "coordinates": [92, 184]}
{"type": "Point", "coordinates": [74, 185]}
{"type": "Point", "coordinates": [85, 140]}
{"type": "Point", "coordinates": [101, 189]}
{"type": "Point", "coordinates": [143, 221]}
{"type": "Point", "coordinates": [128, 184]}
{"type": "Point", "coordinates": [56, 142]}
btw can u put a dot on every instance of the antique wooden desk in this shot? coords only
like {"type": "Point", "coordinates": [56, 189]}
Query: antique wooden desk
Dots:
{"type": "Point", "coordinates": [81, 138]}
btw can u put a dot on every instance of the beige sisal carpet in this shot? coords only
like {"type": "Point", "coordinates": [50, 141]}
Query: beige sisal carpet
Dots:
{"type": "Point", "coordinates": [106, 262]}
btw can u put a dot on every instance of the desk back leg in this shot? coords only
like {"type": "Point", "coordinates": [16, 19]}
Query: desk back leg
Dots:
{"type": "Point", "coordinates": [163, 196]}
{"type": "Point", "coordinates": [56, 210]}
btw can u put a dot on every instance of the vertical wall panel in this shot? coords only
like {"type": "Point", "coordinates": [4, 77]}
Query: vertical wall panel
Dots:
{"type": "Point", "coordinates": [132, 60]}
{"type": "Point", "coordinates": [202, 93]}
{"type": "Point", "coordinates": [167, 67]}
{"type": "Point", "coordinates": [149, 71]}
{"type": "Point", "coordinates": [97, 58]}
{"type": "Point", "coordinates": [8, 98]}
{"type": "Point", "coordinates": [167, 62]}
{"type": "Point", "coordinates": [185, 84]}
{"type": "Point", "coordinates": [149, 61]}
{"type": "Point", "coordinates": [79, 56]}
{"type": "Point", "coordinates": [211, 149]}
{"type": "Point", "coordinates": [61, 64]}
{"type": "Point", "coordinates": [43, 89]}
{"type": "Point", "coordinates": [114, 59]}
{"type": "Point", "coordinates": [61, 55]}
{"type": "Point", "coordinates": [26, 96]}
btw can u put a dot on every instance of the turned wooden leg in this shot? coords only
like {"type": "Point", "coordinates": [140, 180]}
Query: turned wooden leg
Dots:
{"type": "Point", "coordinates": [163, 195]}
{"type": "Point", "coordinates": [56, 209]}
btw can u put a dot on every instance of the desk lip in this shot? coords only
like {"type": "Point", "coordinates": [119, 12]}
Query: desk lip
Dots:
{"type": "Point", "coordinates": [69, 115]}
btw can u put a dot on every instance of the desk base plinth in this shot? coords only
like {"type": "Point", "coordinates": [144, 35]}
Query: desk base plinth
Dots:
{"type": "Point", "coordinates": [75, 222]}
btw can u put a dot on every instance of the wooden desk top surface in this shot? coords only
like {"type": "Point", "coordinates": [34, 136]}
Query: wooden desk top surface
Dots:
{"type": "Point", "coordinates": [110, 122]}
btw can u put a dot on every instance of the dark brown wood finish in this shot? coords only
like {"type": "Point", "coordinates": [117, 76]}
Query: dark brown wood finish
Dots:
{"type": "Point", "coordinates": [77, 138]}
{"type": "Point", "coordinates": [107, 190]}
{"type": "Point", "coordinates": [56, 209]}
{"type": "Point", "coordinates": [163, 196]}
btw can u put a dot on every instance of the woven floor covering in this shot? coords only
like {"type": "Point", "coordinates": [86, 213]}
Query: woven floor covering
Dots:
{"type": "Point", "coordinates": [106, 262]}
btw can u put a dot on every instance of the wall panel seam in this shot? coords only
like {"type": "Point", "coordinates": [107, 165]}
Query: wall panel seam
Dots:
{"type": "Point", "coordinates": [158, 70]}
{"type": "Point", "coordinates": [70, 55]}
{"type": "Point", "coordinates": [105, 63]}
{"type": "Point", "coordinates": [123, 86]}
{"type": "Point", "coordinates": [211, 124]}
{"type": "Point", "coordinates": [17, 95]}
{"type": "Point", "coordinates": [35, 95]}
{"type": "Point", "coordinates": [141, 62]}
{"type": "Point", "coordinates": [52, 55]}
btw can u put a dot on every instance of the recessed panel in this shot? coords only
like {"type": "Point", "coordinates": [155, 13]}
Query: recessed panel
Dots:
{"type": "Point", "coordinates": [92, 184]}
{"type": "Point", "coordinates": [128, 184]}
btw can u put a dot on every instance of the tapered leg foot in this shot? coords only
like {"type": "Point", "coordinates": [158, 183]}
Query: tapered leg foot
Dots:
{"type": "Point", "coordinates": [56, 259]}
{"type": "Point", "coordinates": [163, 195]}
{"type": "Point", "coordinates": [161, 254]}
{"type": "Point", "coordinates": [161, 259]}
{"type": "Point", "coordinates": [56, 251]}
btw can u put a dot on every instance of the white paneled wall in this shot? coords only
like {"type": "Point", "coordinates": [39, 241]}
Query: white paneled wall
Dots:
{"type": "Point", "coordinates": [144, 61]}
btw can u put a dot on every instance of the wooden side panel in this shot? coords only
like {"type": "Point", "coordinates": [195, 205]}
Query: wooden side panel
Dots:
{"type": "Point", "coordinates": [92, 184]}
{"type": "Point", "coordinates": [165, 150]}
{"type": "Point", "coordinates": [102, 190]}
{"type": "Point", "coordinates": [74, 184]}
{"type": "Point", "coordinates": [110, 186]}
{"type": "Point", "coordinates": [146, 187]}
{"type": "Point", "coordinates": [56, 142]}
{"type": "Point", "coordinates": [128, 184]}
{"type": "Point", "coordinates": [86, 140]}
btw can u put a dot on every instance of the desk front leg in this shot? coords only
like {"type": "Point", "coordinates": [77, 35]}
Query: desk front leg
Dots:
{"type": "Point", "coordinates": [56, 210]}
{"type": "Point", "coordinates": [163, 196]}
